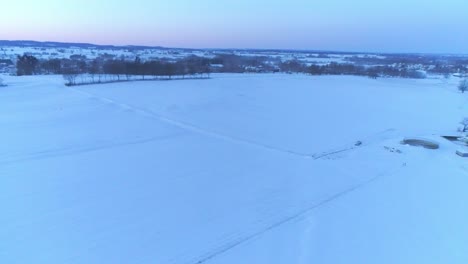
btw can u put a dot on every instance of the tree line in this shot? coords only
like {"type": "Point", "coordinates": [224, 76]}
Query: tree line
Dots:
{"type": "Point", "coordinates": [81, 71]}
{"type": "Point", "coordinates": [401, 71]}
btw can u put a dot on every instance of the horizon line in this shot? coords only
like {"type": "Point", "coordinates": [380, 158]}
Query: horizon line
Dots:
{"type": "Point", "coordinates": [3, 41]}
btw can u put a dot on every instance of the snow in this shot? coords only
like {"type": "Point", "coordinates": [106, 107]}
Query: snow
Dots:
{"type": "Point", "coordinates": [234, 169]}
{"type": "Point", "coordinates": [413, 215]}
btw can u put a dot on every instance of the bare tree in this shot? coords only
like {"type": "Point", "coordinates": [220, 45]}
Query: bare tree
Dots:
{"type": "Point", "coordinates": [464, 125]}
{"type": "Point", "coordinates": [463, 86]}
{"type": "Point", "coordinates": [26, 65]}
{"type": "Point", "coordinates": [70, 76]}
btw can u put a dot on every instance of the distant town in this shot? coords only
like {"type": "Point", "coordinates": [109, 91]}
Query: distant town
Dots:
{"type": "Point", "coordinates": [75, 58]}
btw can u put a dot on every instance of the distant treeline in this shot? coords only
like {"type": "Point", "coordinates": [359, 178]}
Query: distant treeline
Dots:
{"type": "Point", "coordinates": [433, 64]}
{"type": "Point", "coordinates": [107, 68]}
{"type": "Point", "coordinates": [401, 71]}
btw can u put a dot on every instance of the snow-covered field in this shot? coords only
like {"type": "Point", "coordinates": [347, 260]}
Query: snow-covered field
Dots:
{"type": "Point", "coordinates": [235, 169]}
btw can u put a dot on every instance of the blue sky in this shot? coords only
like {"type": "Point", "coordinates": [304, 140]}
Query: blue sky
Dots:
{"type": "Point", "coordinates": [359, 25]}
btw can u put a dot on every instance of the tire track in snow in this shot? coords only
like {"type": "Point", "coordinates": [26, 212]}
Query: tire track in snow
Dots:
{"type": "Point", "coordinates": [241, 240]}
{"type": "Point", "coordinates": [72, 150]}
{"type": "Point", "coordinates": [377, 137]}
{"type": "Point", "coordinates": [191, 127]}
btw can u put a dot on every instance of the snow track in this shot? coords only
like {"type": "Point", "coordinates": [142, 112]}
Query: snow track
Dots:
{"type": "Point", "coordinates": [72, 150]}
{"type": "Point", "coordinates": [191, 127]}
{"type": "Point", "coordinates": [287, 219]}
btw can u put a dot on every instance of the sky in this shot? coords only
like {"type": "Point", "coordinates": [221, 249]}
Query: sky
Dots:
{"type": "Point", "coordinates": [345, 25]}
